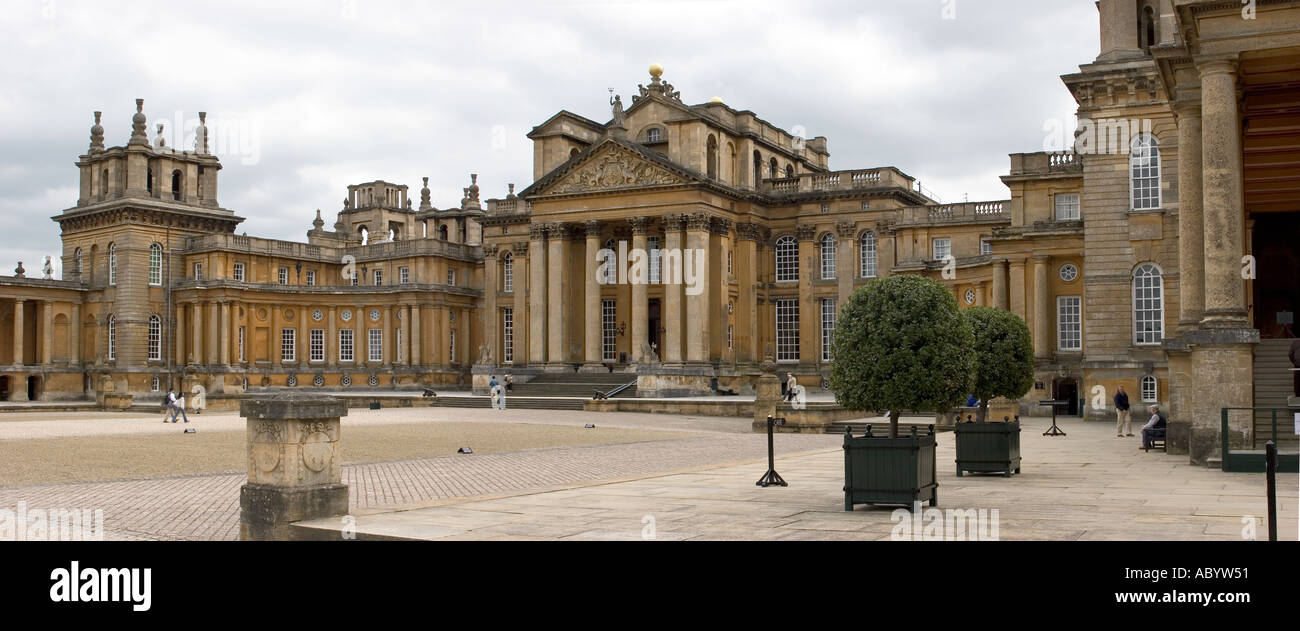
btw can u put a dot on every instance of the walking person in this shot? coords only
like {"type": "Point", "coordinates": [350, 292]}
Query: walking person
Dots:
{"type": "Point", "coordinates": [177, 405]}
{"type": "Point", "coordinates": [510, 383]}
{"type": "Point", "coordinates": [790, 384]}
{"type": "Point", "coordinates": [1123, 422]}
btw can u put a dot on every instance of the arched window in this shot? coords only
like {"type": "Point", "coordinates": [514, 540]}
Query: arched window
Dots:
{"type": "Point", "coordinates": [735, 165]}
{"type": "Point", "coordinates": [148, 180]}
{"type": "Point", "coordinates": [112, 263]}
{"type": "Point", "coordinates": [828, 256]}
{"type": "Point", "coordinates": [772, 168]}
{"type": "Point", "coordinates": [176, 185]}
{"type": "Point", "coordinates": [1148, 28]}
{"type": "Point", "coordinates": [611, 257]}
{"type": "Point", "coordinates": [365, 235]}
{"type": "Point", "coordinates": [112, 337]}
{"type": "Point", "coordinates": [1149, 389]}
{"type": "Point", "coordinates": [758, 169]}
{"type": "Point", "coordinates": [653, 134]}
{"type": "Point", "coordinates": [76, 260]}
{"type": "Point", "coordinates": [789, 170]}
{"type": "Point", "coordinates": [155, 264]}
{"type": "Point", "coordinates": [787, 259]}
{"type": "Point", "coordinates": [442, 232]}
{"type": "Point", "coordinates": [573, 152]}
{"type": "Point", "coordinates": [1144, 172]}
{"type": "Point", "coordinates": [155, 338]}
{"type": "Point", "coordinates": [1148, 305]}
{"type": "Point", "coordinates": [867, 257]}
{"type": "Point", "coordinates": [711, 157]}
{"type": "Point", "coordinates": [508, 273]}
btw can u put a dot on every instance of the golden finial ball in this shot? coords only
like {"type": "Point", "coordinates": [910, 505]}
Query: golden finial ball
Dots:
{"type": "Point", "coordinates": [716, 99]}
{"type": "Point", "coordinates": [656, 70]}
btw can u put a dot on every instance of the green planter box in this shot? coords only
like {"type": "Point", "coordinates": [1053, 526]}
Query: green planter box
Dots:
{"type": "Point", "coordinates": [882, 470]}
{"type": "Point", "coordinates": [988, 448]}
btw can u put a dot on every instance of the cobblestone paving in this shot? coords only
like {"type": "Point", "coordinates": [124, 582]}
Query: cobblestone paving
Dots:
{"type": "Point", "coordinates": [206, 507]}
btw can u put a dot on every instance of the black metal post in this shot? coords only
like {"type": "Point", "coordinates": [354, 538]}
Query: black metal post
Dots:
{"type": "Point", "coordinates": [1270, 471]}
{"type": "Point", "coordinates": [771, 478]}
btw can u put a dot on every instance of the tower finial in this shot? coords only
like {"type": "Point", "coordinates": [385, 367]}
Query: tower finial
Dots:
{"type": "Point", "coordinates": [201, 135]}
{"type": "Point", "coordinates": [97, 135]}
{"type": "Point", "coordinates": [426, 202]}
{"type": "Point", "coordinates": [139, 135]}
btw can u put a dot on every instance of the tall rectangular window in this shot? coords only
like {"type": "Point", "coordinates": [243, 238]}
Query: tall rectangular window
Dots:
{"type": "Point", "coordinates": [155, 264]}
{"type": "Point", "coordinates": [345, 345]}
{"type": "Point", "coordinates": [508, 275]}
{"type": "Point", "coordinates": [1069, 323]}
{"type": "Point", "coordinates": [317, 345]}
{"type": "Point", "coordinates": [654, 250]}
{"type": "Point", "coordinates": [399, 338]}
{"type": "Point", "coordinates": [155, 338]}
{"type": "Point", "coordinates": [289, 345]}
{"type": "Point", "coordinates": [379, 278]}
{"type": "Point", "coordinates": [608, 331]}
{"type": "Point", "coordinates": [283, 276]}
{"type": "Point", "coordinates": [239, 272]}
{"type": "Point", "coordinates": [787, 330]}
{"type": "Point", "coordinates": [986, 247]}
{"type": "Point", "coordinates": [241, 344]}
{"type": "Point", "coordinates": [451, 277]}
{"type": "Point", "coordinates": [311, 278]}
{"type": "Point", "coordinates": [508, 335]}
{"type": "Point", "coordinates": [451, 346]}
{"type": "Point", "coordinates": [403, 275]}
{"type": "Point", "coordinates": [198, 271]}
{"type": "Point", "coordinates": [1067, 207]}
{"type": "Point", "coordinates": [942, 249]}
{"type": "Point", "coordinates": [828, 327]}
{"type": "Point", "coordinates": [354, 279]}
{"type": "Point", "coordinates": [376, 345]}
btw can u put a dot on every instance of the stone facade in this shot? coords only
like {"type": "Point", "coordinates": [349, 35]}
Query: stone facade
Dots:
{"type": "Point", "coordinates": [1123, 255]}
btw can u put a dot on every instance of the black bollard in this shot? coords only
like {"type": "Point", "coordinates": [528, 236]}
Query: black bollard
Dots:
{"type": "Point", "coordinates": [1270, 470]}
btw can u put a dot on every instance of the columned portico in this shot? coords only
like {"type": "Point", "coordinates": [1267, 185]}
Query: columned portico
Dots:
{"type": "Point", "coordinates": [638, 277]}
{"type": "Point", "coordinates": [557, 333]}
{"type": "Point", "coordinates": [671, 271]}
{"type": "Point", "coordinates": [591, 298]}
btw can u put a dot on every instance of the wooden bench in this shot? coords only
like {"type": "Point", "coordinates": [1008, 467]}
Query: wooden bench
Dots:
{"type": "Point", "coordinates": [1158, 439]}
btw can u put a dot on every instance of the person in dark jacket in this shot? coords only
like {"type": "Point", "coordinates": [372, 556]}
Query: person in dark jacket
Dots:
{"type": "Point", "coordinates": [1124, 420]}
{"type": "Point", "coordinates": [1158, 422]}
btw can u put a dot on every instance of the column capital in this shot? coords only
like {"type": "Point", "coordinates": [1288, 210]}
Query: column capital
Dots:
{"type": "Point", "coordinates": [537, 232]}
{"type": "Point", "coordinates": [640, 225]}
{"type": "Point", "coordinates": [805, 232]}
{"type": "Point", "coordinates": [845, 229]}
{"type": "Point", "coordinates": [1042, 258]}
{"type": "Point", "coordinates": [699, 221]}
{"type": "Point", "coordinates": [490, 251]}
{"type": "Point", "coordinates": [592, 228]}
{"type": "Point", "coordinates": [753, 232]}
{"type": "Point", "coordinates": [1217, 65]}
{"type": "Point", "coordinates": [673, 222]}
{"type": "Point", "coordinates": [1187, 105]}
{"type": "Point", "coordinates": [722, 227]}
{"type": "Point", "coordinates": [520, 248]}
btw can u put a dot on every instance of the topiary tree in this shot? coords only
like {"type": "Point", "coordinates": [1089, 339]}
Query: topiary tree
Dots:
{"type": "Point", "coordinates": [1004, 355]}
{"type": "Point", "coordinates": [900, 343]}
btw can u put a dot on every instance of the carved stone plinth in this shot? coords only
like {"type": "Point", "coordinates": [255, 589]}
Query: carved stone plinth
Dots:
{"type": "Point", "coordinates": [294, 464]}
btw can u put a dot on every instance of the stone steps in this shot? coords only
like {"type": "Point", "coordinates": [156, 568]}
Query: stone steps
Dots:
{"type": "Point", "coordinates": [513, 403]}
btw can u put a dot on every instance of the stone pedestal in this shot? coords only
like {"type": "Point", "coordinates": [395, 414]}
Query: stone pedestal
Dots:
{"type": "Point", "coordinates": [767, 396]}
{"type": "Point", "coordinates": [1222, 369]}
{"type": "Point", "coordinates": [294, 464]}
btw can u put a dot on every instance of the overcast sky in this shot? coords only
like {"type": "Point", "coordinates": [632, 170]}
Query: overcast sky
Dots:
{"type": "Point", "coordinates": [313, 96]}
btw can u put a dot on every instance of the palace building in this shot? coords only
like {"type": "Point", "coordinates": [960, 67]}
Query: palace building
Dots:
{"type": "Point", "coordinates": [1161, 254]}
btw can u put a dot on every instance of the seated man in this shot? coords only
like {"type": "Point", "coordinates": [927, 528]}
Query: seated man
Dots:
{"type": "Point", "coordinates": [1155, 428]}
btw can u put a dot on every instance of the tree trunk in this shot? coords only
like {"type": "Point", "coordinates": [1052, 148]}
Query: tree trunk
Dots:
{"type": "Point", "coordinates": [983, 412]}
{"type": "Point", "coordinates": [893, 423]}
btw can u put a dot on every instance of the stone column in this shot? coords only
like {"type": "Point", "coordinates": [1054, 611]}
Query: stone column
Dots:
{"type": "Point", "coordinates": [1000, 285]}
{"type": "Point", "coordinates": [417, 357]}
{"type": "Point", "coordinates": [47, 332]}
{"type": "Point", "coordinates": [557, 333]}
{"type": "Point", "coordinates": [885, 247]}
{"type": "Point", "coordinates": [213, 334]}
{"type": "Point", "coordinates": [979, 294]}
{"type": "Point", "coordinates": [196, 322]}
{"type": "Point", "coordinates": [74, 336]}
{"type": "Point", "coordinates": [697, 335]}
{"type": "Point", "coordinates": [490, 315]}
{"type": "Point", "coordinates": [294, 464]}
{"type": "Point", "coordinates": [591, 298]}
{"type": "Point", "coordinates": [180, 334]}
{"type": "Point", "coordinates": [332, 338]}
{"type": "Point", "coordinates": [276, 336]}
{"type": "Point", "coordinates": [387, 342]}
{"type": "Point", "coordinates": [845, 271]}
{"type": "Point", "coordinates": [225, 333]}
{"type": "Point", "coordinates": [521, 303]}
{"type": "Point", "coordinates": [18, 339]}
{"type": "Point", "coordinates": [1191, 230]}
{"type": "Point", "coordinates": [1016, 293]}
{"type": "Point", "coordinates": [671, 272]}
{"type": "Point", "coordinates": [809, 309]}
{"type": "Point", "coordinates": [1042, 349]}
{"type": "Point", "coordinates": [1223, 213]}
{"type": "Point", "coordinates": [408, 358]}
{"type": "Point", "coordinates": [640, 299]}
{"type": "Point", "coordinates": [537, 307]}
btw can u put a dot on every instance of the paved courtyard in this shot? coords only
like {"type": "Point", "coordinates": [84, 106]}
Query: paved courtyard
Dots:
{"type": "Point", "coordinates": [696, 481]}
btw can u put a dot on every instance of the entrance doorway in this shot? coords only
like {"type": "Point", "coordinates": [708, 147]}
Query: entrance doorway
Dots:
{"type": "Point", "coordinates": [1067, 389]}
{"type": "Point", "coordinates": [656, 322]}
{"type": "Point", "coordinates": [33, 388]}
{"type": "Point", "coordinates": [4, 388]}
{"type": "Point", "coordinates": [1276, 295]}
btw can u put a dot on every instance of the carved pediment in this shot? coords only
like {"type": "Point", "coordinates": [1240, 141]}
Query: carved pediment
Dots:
{"type": "Point", "coordinates": [614, 167]}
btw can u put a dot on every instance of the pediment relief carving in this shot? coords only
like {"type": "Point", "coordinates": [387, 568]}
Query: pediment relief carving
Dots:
{"type": "Point", "coordinates": [615, 167]}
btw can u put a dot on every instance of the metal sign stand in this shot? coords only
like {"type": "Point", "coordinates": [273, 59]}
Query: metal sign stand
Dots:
{"type": "Point", "coordinates": [771, 478]}
{"type": "Point", "coordinates": [1054, 431]}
